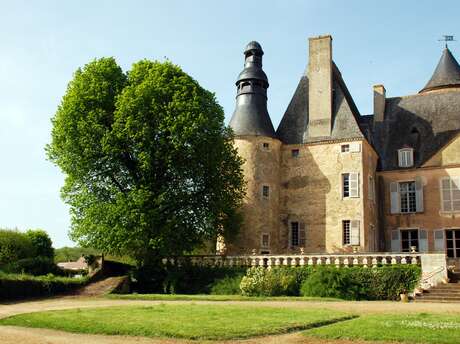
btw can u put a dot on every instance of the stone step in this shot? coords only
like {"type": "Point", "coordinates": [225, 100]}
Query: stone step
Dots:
{"type": "Point", "coordinates": [438, 294]}
{"type": "Point", "coordinates": [436, 301]}
{"type": "Point", "coordinates": [438, 298]}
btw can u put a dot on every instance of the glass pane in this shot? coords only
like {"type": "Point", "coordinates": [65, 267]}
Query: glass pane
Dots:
{"type": "Point", "coordinates": [450, 253]}
{"type": "Point", "coordinates": [446, 195]}
{"type": "Point", "coordinates": [414, 234]}
{"type": "Point", "coordinates": [456, 194]}
{"type": "Point", "coordinates": [447, 206]}
{"type": "Point", "coordinates": [450, 243]}
{"type": "Point", "coordinates": [458, 253]}
{"type": "Point", "coordinates": [404, 235]}
{"type": "Point", "coordinates": [449, 234]}
{"type": "Point", "coordinates": [446, 184]}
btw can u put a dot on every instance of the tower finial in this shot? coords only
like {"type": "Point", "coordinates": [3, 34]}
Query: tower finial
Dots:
{"type": "Point", "coordinates": [447, 38]}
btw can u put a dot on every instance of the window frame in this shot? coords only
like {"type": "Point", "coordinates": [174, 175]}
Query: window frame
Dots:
{"type": "Point", "coordinates": [406, 157]}
{"type": "Point", "coordinates": [346, 233]}
{"type": "Point", "coordinates": [409, 239]}
{"type": "Point", "coordinates": [266, 146]}
{"type": "Point", "coordinates": [345, 148]}
{"type": "Point", "coordinates": [265, 195]}
{"type": "Point", "coordinates": [291, 234]}
{"type": "Point", "coordinates": [352, 192]}
{"type": "Point", "coordinates": [262, 245]}
{"type": "Point", "coordinates": [408, 200]}
{"type": "Point", "coordinates": [451, 190]}
{"type": "Point", "coordinates": [295, 152]}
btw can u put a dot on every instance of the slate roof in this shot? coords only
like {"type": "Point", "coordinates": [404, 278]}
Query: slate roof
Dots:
{"type": "Point", "coordinates": [293, 128]}
{"type": "Point", "coordinates": [425, 122]}
{"type": "Point", "coordinates": [446, 74]}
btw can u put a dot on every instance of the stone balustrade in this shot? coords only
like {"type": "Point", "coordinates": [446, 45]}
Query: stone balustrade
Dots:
{"type": "Point", "coordinates": [339, 260]}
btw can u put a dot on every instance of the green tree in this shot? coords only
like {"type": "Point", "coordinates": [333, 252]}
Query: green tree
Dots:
{"type": "Point", "coordinates": [41, 242]}
{"type": "Point", "coordinates": [14, 246]}
{"type": "Point", "coordinates": [150, 167]}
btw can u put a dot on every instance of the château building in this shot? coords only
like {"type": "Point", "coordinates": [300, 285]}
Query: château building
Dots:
{"type": "Point", "coordinates": [329, 180]}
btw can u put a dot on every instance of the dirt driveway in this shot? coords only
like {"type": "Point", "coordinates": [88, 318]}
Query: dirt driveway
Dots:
{"type": "Point", "coordinates": [18, 335]}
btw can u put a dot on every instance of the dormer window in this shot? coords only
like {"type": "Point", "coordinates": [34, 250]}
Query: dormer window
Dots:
{"type": "Point", "coordinates": [406, 157]}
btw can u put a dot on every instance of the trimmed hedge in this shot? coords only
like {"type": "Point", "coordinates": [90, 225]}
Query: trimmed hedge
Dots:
{"type": "Point", "coordinates": [355, 283]}
{"type": "Point", "coordinates": [186, 279]}
{"type": "Point", "coordinates": [21, 286]}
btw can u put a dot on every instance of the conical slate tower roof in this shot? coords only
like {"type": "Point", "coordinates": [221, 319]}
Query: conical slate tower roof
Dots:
{"type": "Point", "coordinates": [251, 116]}
{"type": "Point", "coordinates": [446, 74]}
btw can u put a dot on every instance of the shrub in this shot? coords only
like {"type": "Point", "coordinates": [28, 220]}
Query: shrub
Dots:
{"type": "Point", "coordinates": [33, 266]}
{"type": "Point", "coordinates": [21, 286]}
{"type": "Point", "coordinates": [227, 285]}
{"type": "Point", "coordinates": [357, 283]}
{"type": "Point", "coordinates": [331, 282]}
{"type": "Point", "coordinates": [14, 246]}
{"type": "Point", "coordinates": [276, 281]}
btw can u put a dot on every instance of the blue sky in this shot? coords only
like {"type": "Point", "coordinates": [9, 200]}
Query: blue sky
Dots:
{"type": "Point", "coordinates": [43, 42]}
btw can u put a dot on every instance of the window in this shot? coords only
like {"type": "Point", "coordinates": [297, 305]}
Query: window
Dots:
{"type": "Point", "coordinates": [409, 239]}
{"type": "Point", "coordinates": [407, 196]}
{"type": "Point", "coordinates": [265, 191]}
{"type": "Point", "coordinates": [346, 232]}
{"type": "Point", "coordinates": [266, 145]}
{"type": "Point", "coordinates": [265, 240]}
{"type": "Point", "coordinates": [406, 157]}
{"type": "Point", "coordinates": [295, 153]}
{"type": "Point", "coordinates": [453, 243]}
{"type": "Point", "coordinates": [350, 185]}
{"type": "Point", "coordinates": [294, 234]}
{"type": "Point", "coordinates": [345, 148]}
{"type": "Point", "coordinates": [450, 194]}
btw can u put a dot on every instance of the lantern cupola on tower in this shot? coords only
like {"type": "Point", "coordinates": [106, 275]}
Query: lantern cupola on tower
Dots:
{"type": "Point", "coordinates": [251, 115]}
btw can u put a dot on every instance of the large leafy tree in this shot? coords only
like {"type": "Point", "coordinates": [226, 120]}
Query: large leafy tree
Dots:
{"type": "Point", "coordinates": [150, 167]}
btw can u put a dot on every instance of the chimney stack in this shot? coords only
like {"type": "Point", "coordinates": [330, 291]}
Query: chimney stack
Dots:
{"type": "Point", "coordinates": [320, 86]}
{"type": "Point", "coordinates": [379, 103]}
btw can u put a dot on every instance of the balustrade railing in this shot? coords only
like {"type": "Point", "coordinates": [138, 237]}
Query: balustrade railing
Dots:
{"type": "Point", "coordinates": [339, 260]}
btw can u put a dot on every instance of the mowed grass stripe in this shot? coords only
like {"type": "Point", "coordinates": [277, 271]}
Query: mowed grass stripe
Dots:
{"type": "Point", "coordinates": [416, 328]}
{"type": "Point", "coordinates": [216, 322]}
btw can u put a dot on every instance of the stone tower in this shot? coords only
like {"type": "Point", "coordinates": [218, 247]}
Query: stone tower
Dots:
{"type": "Point", "coordinates": [257, 144]}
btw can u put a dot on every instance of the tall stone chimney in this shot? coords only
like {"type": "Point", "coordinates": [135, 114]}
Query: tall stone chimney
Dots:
{"type": "Point", "coordinates": [320, 86]}
{"type": "Point", "coordinates": [379, 103]}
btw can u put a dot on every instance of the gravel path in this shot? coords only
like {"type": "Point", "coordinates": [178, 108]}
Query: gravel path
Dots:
{"type": "Point", "coordinates": [15, 335]}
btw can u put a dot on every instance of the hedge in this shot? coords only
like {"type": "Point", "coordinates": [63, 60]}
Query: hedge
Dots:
{"type": "Point", "coordinates": [21, 286]}
{"type": "Point", "coordinates": [187, 279]}
{"type": "Point", "coordinates": [355, 283]}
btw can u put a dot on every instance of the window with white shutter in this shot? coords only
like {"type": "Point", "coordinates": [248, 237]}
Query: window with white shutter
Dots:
{"type": "Point", "coordinates": [350, 185]}
{"type": "Point", "coordinates": [423, 241]}
{"type": "Point", "coordinates": [406, 157]}
{"type": "Point", "coordinates": [346, 232]}
{"type": "Point", "coordinates": [439, 240]}
{"type": "Point", "coordinates": [395, 241]}
{"type": "Point", "coordinates": [354, 232]}
{"type": "Point", "coordinates": [394, 198]}
{"type": "Point", "coordinates": [450, 194]}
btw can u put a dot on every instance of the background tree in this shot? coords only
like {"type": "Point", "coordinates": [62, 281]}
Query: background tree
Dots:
{"type": "Point", "coordinates": [150, 167]}
{"type": "Point", "coordinates": [41, 242]}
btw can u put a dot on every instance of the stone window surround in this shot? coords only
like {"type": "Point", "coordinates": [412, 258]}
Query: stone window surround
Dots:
{"type": "Point", "coordinates": [262, 241]}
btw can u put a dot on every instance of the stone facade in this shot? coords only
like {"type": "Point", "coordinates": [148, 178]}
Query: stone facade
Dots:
{"type": "Point", "coordinates": [325, 181]}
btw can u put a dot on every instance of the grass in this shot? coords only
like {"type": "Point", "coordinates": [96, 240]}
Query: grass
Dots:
{"type": "Point", "coordinates": [417, 328]}
{"type": "Point", "coordinates": [182, 297]}
{"type": "Point", "coordinates": [191, 321]}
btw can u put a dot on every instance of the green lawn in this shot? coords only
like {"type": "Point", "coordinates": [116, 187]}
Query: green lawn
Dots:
{"type": "Point", "coordinates": [418, 328]}
{"type": "Point", "coordinates": [180, 321]}
{"type": "Point", "coordinates": [182, 297]}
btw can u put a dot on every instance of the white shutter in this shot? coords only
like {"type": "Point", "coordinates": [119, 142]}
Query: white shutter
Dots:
{"type": "Point", "coordinates": [418, 194]}
{"type": "Point", "coordinates": [394, 198]}
{"type": "Point", "coordinates": [302, 234]}
{"type": "Point", "coordinates": [354, 184]}
{"type": "Point", "coordinates": [355, 147]}
{"type": "Point", "coordinates": [456, 194]}
{"type": "Point", "coordinates": [423, 240]}
{"type": "Point", "coordinates": [439, 241]}
{"type": "Point", "coordinates": [446, 196]}
{"type": "Point", "coordinates": [395, 244]}
{"type": "Point", "coordinates": [354, 232]}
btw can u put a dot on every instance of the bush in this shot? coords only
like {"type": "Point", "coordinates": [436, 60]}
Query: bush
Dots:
{"type": "Point", "coordinates": [357, 283]}
{"type": "Point", "coordinates": [227, 285]}
{"type": "Point", "coordinates": [273, 282]}
{"type": "Point", "coordinates": [331, 282]}
{"type": "Point", "coordinates": [186, 279]}
{"type": "Point", "coordinates": [33, 266]}
{"type": "Point", "coordinates": [21, 286]}
{"type": "Point", "coordinates": [14, 246]}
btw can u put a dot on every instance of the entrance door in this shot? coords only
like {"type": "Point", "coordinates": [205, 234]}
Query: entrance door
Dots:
{"type": "Point", "coordinates": [453, 243]}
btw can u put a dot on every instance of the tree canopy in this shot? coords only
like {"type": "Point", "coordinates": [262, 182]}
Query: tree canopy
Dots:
{"type": "Point", "coordinates": [150, 166]}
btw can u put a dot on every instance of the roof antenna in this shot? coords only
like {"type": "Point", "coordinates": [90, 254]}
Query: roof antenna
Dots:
{"type": "Point", "coordinates": [447, 38]}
